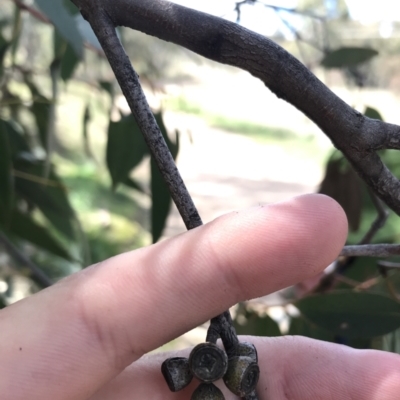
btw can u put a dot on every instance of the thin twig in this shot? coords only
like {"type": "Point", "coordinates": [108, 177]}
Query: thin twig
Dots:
{"type": "Point", "coordinates": [388, 264]}
{"type": "Point", "coordinates": [349, 253]}
{"type": "Point", "coordinates": [33, 11]}
{"type": "Point", "coordinates": [371, 250]}
{"type": "Point", "coordinates": [129, 82]}
{"type": "Point", "coordinates": [130, 85]}
{"type": "Point", "coordinates": [380, 219]}
{"type": "Point", "coordinates": [292, 11]}
{"type": "Point", "coordinates": [37, 274]}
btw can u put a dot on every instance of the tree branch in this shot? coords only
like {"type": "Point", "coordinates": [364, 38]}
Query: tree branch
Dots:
{"type": "Point", "coordinates": [379, 221]}
{"type": "Point", "coordinates": [371, 250]}
{"type": "Point", "coordinates": [130, 85]}
{"type": "Point", "coordinates": [357, 136]}
{"type": "Point", "coordinates": [33, 11]}
{"type": "Point", "coordinates": [128, 80]}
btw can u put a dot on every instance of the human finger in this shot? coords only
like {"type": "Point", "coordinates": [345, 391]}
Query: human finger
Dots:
{"type": "Point", "coordinates": [69, 340]}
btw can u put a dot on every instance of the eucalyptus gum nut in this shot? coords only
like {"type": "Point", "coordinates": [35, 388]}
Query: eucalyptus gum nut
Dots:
{"type": "Point", "coordinates": [176, 373]}
{"type": "Point", "coordinates": [245, 349]}
{"type": "Point", "coordinates": [208, 362]}
{"type": "Point", "coordinates": [242, 375]}
{"type": "Point", "coordinates": [207, 391]}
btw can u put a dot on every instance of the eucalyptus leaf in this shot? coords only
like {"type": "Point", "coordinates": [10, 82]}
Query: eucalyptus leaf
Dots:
{"type": "Point", "coordinates": [47, 193]}
{"type": "Point", "coordinates": [108, 87]}
{"type": "Point", "coordinates": [161, 202]}
{"type": "Point", "coordinates": [300, 326]}
{"type": "Point", "coordinates": [256, 325]}
{"type": "Point", "coordinates": [6, 175]}
{"type": "Point", "coordinates": [64, 22]}
{"type": "Point", "coordinates": [4, 45]}
{"type": "Point", "coordinates": [16, 140]}
{"type": "Point", "coordinates": [133, 184]}
{"type": "Point", "coordinates": [87, 33]}
{"type": "Point", "coordinates": [373, 113]}
{"type": "Point", "coordinates": [24, 227]}
{"type": "Point", "coordinates": [41, 108]}
{"type": "Point", "coordinates": [352, 314]}
{"type": "Point", "coordinates": [161, 198]}
{"type": "Point", "coordinates": [71, 7]}
{"type": "Point", "coordinates": [125, 148]}
{"type": "Point", "coordinates": [16, 32]}
{"type": "Point", "coordinates": [85, 125]}
{"type": "Point", "coordinates": [345, 57]}
{"type": "Point", "coordinates": [343, 184]}
{"type": "Point", "coordinates": [69, 63]}
{"type": "Point", "coordinates": [65, 54]}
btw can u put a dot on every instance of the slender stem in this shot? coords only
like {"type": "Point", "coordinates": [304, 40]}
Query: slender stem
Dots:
{"type": "Point", "coordinates": [33, 11]}
{"type": "Point", "coordinates": [37, 274]}
{"type": "Point", "coordinates": [371, 250]}
{"type": "Point", "coordinates": [379, 221]}
{"type": "Point", "coordinates": [130, 85]}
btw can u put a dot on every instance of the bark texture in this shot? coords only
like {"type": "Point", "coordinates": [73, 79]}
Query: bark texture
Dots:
{"type": "Point", "coordinates": [357, 136]}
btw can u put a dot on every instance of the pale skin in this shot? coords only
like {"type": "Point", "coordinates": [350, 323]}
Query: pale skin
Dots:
{"type": "Point", "coordinates": [82, 338]}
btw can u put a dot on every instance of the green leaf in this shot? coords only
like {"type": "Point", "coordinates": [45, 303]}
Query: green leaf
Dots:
{"type": "Point", "coordinates": [257, 326]}
{"type": "Point", "coordinates": [64, 22]}
{"type": "Point", "coordinates": [344, 185]}
{"type": "Point", "coordinates": [299, 326]}
{"type": "Point", "coordinates": [4, 45]}
{"type": "Point", "coordinates": [86, 141]}
{"type": "Point", "coordinates": [15, 137]}
{"type": "Point", "coordinates": [6, 176]}
{"type": "Point", "coordinates": [352, 314]}
{"type": "Point", "coordinates": [391, 342]}
{"type": "Point", "coordinates": [108, 87]}
{"type": "Point", "coordinates": [125, 148]}
{"type": "Point", "coordinates": [64, 53]}
{"type": "Point", "coordinates": [161, 202]}
{"type": "Point", "coordinates": [87, 33]}
{"type": "Point", "coordinates": [373, 113]}
{"type": "Point", "coordinates": [173, 146]}
{"type": "Point", "coordinates": [41, 110]}
{"type": "Point", "coordinates": [71, 7]}
{"type": "Point", "coordinates": [69, 62]}
{"type": "Point", "coordinates": [347, 57]}
{"type": "Point", "coordinates": [362, 269]}
{"type": "Point", "coordinates": [48, 194]}
{"type": "Point", "coordinates": [161, 198]}
{"type": "Point", "coordinates": [27, 229]}
{"type": "Point", "coordinates": [133, 184]}
{"type": "Point", "coordinates": [16, 32]}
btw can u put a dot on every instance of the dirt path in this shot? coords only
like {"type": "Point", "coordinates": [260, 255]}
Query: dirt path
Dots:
{"type": "Point", "coordinates": [226, 172]}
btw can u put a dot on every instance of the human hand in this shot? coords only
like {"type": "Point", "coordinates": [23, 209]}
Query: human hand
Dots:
{"type": "Point", "coordinates": [82, 338]}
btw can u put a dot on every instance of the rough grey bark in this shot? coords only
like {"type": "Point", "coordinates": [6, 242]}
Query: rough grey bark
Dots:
{"type": "Point", "coordinates": [357, 136]}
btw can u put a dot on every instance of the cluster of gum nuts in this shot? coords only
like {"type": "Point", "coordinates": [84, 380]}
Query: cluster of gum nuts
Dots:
{"type": "Point", "coordinates": [209, 363]}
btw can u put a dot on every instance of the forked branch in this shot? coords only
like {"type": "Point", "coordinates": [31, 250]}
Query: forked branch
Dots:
{"type": "Point", "coordinates": [357, 136]}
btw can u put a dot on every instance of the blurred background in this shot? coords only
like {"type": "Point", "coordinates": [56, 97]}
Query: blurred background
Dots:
{"type": "Point", "coordinates": [77, 185]}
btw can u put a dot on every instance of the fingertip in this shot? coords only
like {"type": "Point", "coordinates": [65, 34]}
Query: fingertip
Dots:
{"type": "Point", "coordinates": [331, 220]}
